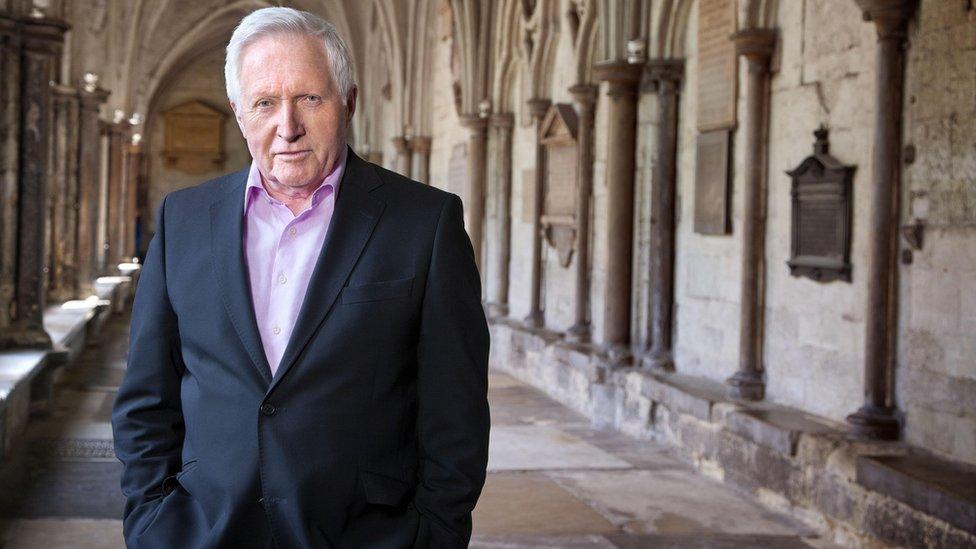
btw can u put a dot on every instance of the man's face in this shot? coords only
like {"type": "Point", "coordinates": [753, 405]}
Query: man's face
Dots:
{"type": "Point", "coordinates": [291, 112]}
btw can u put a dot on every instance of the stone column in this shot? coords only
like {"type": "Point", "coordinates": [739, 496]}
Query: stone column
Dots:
{"type": "Point", "coordinates": [756, 47]}
{"type": "Point", "coordinates": [585, 97]}
{"type": "Point", "coordinates": [133, 165]}
{"type": "Point", "coordinates": [404, 156]}
{"type": "Point", "coordinates": [622, 80]}
{"type": "Point", "coordinates": [41, 46]}
{"type": "Point", "coordinates": [421, 159]}
{"type": "Point", "coordinates": [9, 160]}
{"type": "Point", "coordinates": [535, 319]}
{"type": "Point", "coordinates": [876, 418]}
{"type": "Point", "coordinates": [477, 156]}
{"type": "Point", "coordinates": [666, 75]}
{"type": "Point", "coordinates": [64, 191]}
{"type": "Point", "coordinates": [501, 127]}
{"type": "Point", "coordinates": [118, 136]}
{"type": "Point", "coordinates": [89, 181]}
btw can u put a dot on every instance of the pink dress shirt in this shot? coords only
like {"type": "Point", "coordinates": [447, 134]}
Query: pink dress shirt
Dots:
{"type": "Point", "coordinates": [280, 250]}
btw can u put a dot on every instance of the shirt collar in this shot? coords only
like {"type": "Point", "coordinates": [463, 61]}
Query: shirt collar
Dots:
{"type": "Point", "coordinates": [255, 187]}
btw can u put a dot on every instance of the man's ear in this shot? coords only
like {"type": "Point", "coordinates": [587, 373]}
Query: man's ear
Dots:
{"type": "Point", "coordinates": [239, 118]}
{"type": "Point", "coordinates": [351, 103]}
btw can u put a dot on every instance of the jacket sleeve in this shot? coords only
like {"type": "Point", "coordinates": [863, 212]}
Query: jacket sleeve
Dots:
{"type": "Point", "coordinates": [453, 419]}
{"type": "Point", "coordinates": [147, 418]}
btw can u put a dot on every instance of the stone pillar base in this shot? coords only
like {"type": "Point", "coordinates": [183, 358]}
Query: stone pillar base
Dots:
{"type": "Point", "coordinates": [497, 310]}
{"type": "Point", "coordinates": [658, 361]}
{"type": "Point", "coordinates": [23, 337]}
{"type": "Point", "coordinates": [875, 422]}
{"type": "Point", "coordinates": [579, 333]}
{"type": "Point", "coordinates": [747, 385]}
{"type": "Point", "coordinates": [619, 354]}
{"type": "Point", "coordinates": [534, 320]}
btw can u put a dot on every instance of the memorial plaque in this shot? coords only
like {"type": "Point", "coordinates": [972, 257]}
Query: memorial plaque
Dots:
{"type": "Point", "coordinates": [716, 64]}
{"type": "Point", "coordinates": [558, 134]}
{"type": "Point", "coordinates": [457, 171]}
{"type": "Point", "coordinates": [561, 181]}
{"type": "Point", "coordinates": [711, 183]}
{"type": "Point", "coordinates": [194, 137]}
{"type": "Point", "coordinates": [821, 228]}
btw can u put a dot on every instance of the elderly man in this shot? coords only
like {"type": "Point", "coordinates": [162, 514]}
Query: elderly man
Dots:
{"type": "Point", "coordinates": [308, 356]}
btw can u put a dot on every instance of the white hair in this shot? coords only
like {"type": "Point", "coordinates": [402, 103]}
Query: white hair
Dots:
{"type": "Point", "coordinates": [271, 21]}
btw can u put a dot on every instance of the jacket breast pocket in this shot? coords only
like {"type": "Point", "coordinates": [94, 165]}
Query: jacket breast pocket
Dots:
{"type": "Point", "coordinates": [377, 291]}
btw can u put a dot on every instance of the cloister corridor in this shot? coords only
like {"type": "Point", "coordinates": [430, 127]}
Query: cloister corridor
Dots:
{"type": "Point", "coordinates": [725, 250]}
{"type": "Point", "coordinates": [554, 481]}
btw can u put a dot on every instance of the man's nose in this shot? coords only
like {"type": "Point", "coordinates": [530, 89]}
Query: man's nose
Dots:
{"type": "Point", "coordinates": [290, 126]}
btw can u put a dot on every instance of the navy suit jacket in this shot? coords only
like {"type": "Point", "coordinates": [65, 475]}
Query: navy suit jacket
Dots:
{"type": "Point", "coordinates": [374, 430]}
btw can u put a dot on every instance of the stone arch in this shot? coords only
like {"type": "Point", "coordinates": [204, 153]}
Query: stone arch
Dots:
{"type": "Point", "coordinates": [757, 14]}
{"type": "Point", "coordinates": [420, 46]}
{"type": "Point", "coordinates": [508, 58]}
{"type": "Point", "coordinates": [541, 56]}
{"type": "Point", "coordinates": [586, 42]}
{"type": "Point", "coordinates": [671, 29]}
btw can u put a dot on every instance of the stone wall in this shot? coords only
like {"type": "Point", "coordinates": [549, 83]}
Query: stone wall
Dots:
{"type": "Point", "coordinates": [706, 266]}
{"type": "Point", "coordinates": [814, 332]}
{"type": "Point", "coordinates": [201, 81]}
{"type": "Point", "coordinates": [936, 375]}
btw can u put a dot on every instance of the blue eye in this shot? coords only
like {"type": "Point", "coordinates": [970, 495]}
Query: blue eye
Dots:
{"type": "Point", "coordinates": [313, 98]}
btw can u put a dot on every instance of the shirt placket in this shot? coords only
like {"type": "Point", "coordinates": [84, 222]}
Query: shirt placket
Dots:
{"type": "Point", "coordinates": [281, 283]}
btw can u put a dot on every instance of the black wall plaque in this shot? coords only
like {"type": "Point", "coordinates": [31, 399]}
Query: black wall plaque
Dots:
{"type": "Point", "coordinates": [822, 210]}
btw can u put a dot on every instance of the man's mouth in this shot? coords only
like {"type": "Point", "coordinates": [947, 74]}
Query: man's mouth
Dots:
{"type": "Point", "coordinates": [292, 155]}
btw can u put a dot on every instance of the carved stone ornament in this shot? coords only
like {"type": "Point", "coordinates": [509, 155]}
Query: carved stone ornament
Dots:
{"type": "Point", "coordinates": [194, 137]}
{"type": "Point", "coordinates": [822, 215]}
{"type": "Point", "coordinates": [557, 134]}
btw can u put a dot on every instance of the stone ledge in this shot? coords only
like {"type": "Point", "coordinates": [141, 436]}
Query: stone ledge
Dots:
{"type": "Point", "coordinates": [17, 371]}
{"type": "Point", "coordinates": [936, 486]}
{"type": "Point", "coordinates": [794, 461]}
{"type": "Point", "coordinates": [778, 428]}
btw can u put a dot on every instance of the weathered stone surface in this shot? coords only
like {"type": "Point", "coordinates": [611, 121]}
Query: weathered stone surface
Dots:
{"type": "Point", "coordinates": [937, 487]}
{"type": "Point", "coordinates": [779, 429]}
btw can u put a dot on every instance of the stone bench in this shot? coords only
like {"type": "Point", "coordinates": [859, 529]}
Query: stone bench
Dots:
{"type": "Point", "coordinates": [27, 376]}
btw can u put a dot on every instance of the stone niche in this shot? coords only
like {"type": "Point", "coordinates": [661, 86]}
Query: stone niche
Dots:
{"type": "Point", "coordinates": [194, 138]}
{"type": "Point", "coordinates": [558, 136]}
{"type": "Point", "coordinates": [821, 226]}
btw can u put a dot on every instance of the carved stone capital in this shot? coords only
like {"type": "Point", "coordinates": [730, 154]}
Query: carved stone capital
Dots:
{"type": "Point", "coordinates": [401, 144]}
{"type": "Point", "coordinates": [622, 77]}
{"type": "Point", "coordinates": [584, 94]}
{"type": "Point", "coordinates": [667, 71]}
{"type": "Point", "coordinates": [93, 100]}
{"type": "Point", "coordinates": [475, 123]}
{"type": "Point", "coordinates": [756, 45]}
{"type": "Point", "coordinates": [421, 145]}
{"type": "Point", "coordinates": [502, 120]}
{"type": "Point", "coordinates": [64, 93]}
{"type": "Point", "coordinates": [538, 107]}
{"type": "Point", "coordinates": [43, 35]}
{"type": "Point", "coordinates": [890, 16]}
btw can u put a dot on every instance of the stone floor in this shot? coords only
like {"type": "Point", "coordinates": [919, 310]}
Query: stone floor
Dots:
{"type": "Point", "coordinates": [554, 481]}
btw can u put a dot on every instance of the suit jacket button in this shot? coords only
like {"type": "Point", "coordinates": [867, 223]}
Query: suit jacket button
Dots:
{"type": "Point", "coordinates": [268, 409]}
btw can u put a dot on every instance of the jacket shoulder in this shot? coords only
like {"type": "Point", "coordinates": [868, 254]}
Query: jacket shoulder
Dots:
{"type": "Point", "coordinates": [400, 189]}
{"type": "Point", "coordinates": [204, 193]}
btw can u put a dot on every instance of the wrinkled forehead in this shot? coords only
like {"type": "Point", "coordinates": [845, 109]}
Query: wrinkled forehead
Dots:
{"type": "Point", "coordinates": [284, 59]}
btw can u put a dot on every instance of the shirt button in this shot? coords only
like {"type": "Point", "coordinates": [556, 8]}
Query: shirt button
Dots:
{"type": "Point", "coordinates": [268, 409]}
{"type": "Point", "coordinates": [276, 330]}
{"type": "Point", "coordinates": [293, 231]}
{"type": "Point", "coordinates": [282, 279]}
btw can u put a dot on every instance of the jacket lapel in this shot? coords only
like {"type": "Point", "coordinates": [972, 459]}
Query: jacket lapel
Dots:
{"type": "Point", "coordinates": [355, 216]}
{"type": "Point", "coordinates": [227, 251]}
